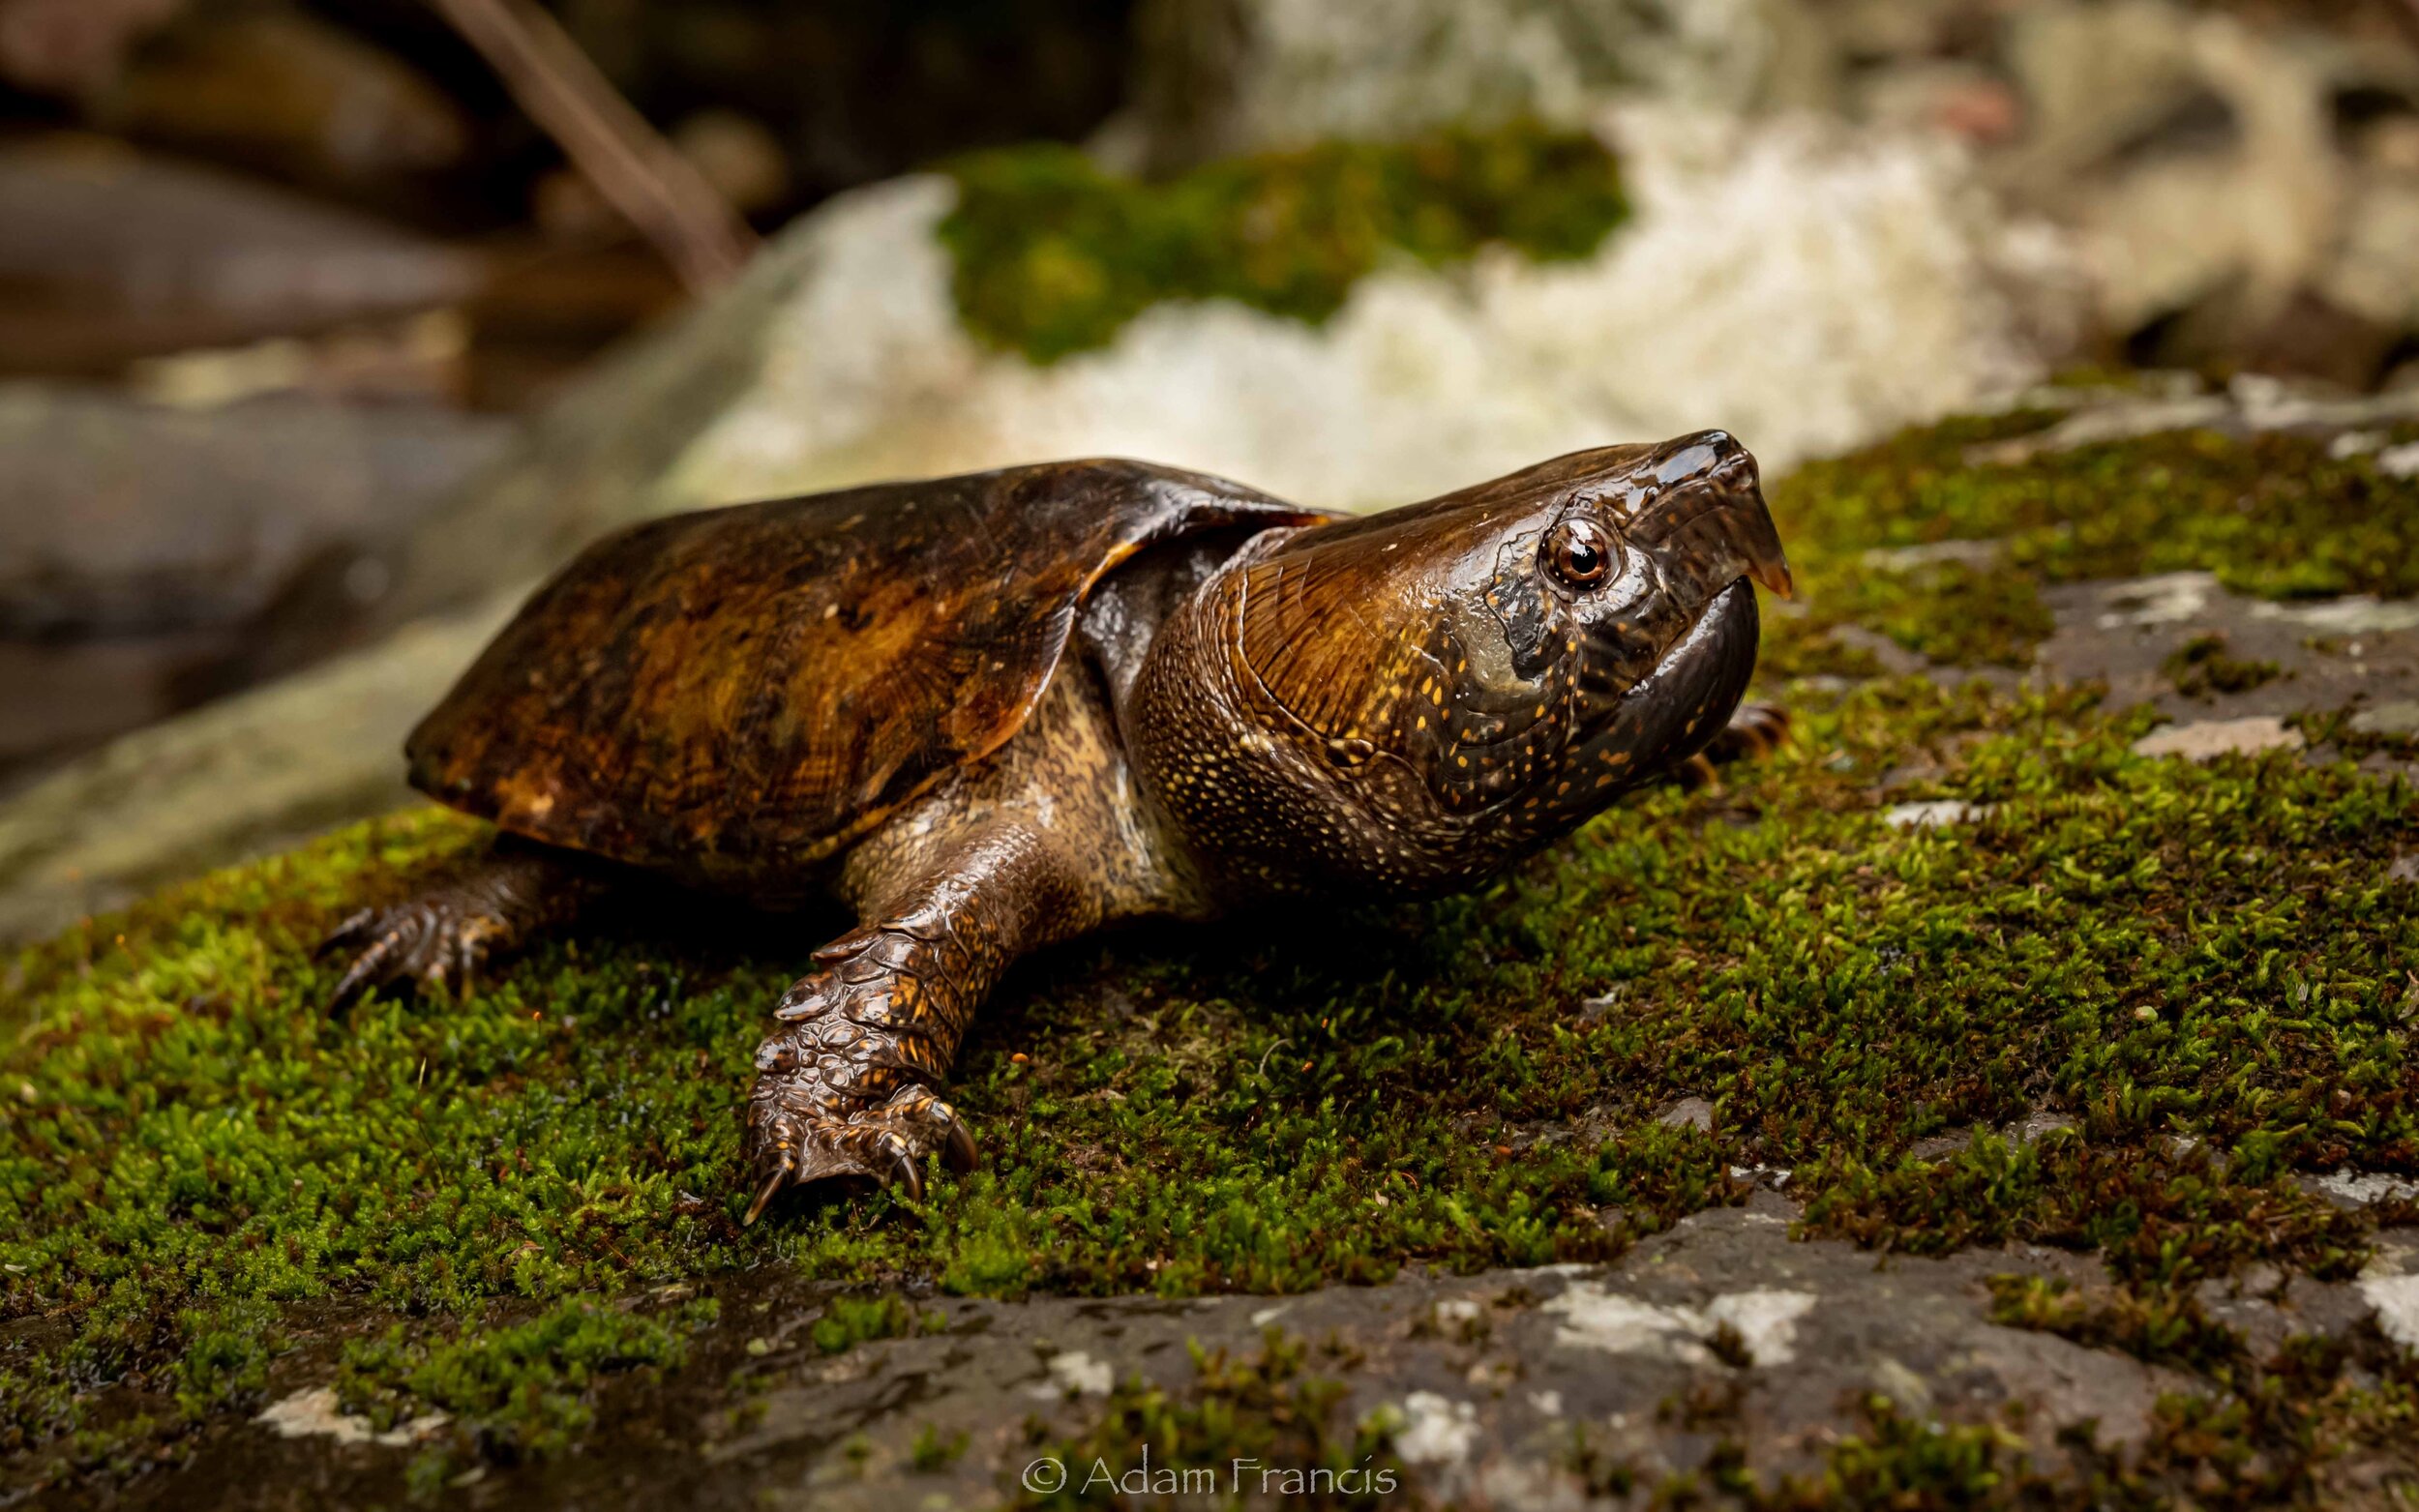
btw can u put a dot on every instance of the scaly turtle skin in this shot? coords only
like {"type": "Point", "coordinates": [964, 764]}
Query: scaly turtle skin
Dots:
{"type": "Point", "coordinates": [996, 711]}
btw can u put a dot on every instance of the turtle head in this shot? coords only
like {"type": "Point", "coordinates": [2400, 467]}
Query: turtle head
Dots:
{"type": "Point", "coordinates": [1451, 683]}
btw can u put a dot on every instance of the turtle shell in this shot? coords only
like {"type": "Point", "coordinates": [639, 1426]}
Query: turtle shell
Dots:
{"type": "Point", "coordinates": [736, 693]}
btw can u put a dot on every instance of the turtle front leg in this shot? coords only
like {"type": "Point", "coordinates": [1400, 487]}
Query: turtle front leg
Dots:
{"type": "Point", "coordinates": [848, 1086]}
{"type": "Point", "coordinates": [441, 936]}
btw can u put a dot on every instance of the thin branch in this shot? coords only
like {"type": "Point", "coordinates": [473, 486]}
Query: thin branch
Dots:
{"type": "Point", "coordinates": [637, 172]}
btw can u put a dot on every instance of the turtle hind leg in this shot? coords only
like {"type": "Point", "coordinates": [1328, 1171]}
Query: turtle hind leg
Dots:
{"type": "Point", "coordinates": [845, 1086]}
{"type": "Point", "coordinates": [438, 939]}
{"type": "Point", "coordinates": [1755, 730]}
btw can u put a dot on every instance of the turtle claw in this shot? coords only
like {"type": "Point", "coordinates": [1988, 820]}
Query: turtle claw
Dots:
{"type": "Point", "coordinates": [350, 931]}
{"type": "Point", "coordinates": [817, 1115]}
{"type": "Point", "coordinates": [436, 942]}
{"type": "Point", "coordinates": [766, 1190]}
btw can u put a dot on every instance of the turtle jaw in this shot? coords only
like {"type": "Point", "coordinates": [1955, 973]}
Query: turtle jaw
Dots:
{"type": "Point", "coordinates": [1676, 709]}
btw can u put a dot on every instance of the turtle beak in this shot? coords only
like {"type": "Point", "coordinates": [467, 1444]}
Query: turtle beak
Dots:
{"type": "Point", "coordinates": [1773, 571]}
{"type": "Point", "coordinates": [1724, 531]}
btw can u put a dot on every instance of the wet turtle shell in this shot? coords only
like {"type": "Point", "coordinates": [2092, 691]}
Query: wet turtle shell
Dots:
{"type": "Point", "coordinates": [734, 695]}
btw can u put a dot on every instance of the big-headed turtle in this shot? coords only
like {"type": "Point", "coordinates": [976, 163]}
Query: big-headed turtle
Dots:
{"type": "Point", "coordinates": [994, 711]}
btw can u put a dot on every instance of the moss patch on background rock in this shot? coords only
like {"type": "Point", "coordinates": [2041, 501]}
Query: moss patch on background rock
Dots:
{"type": "Point", "coordinates": [1055, 255]}
{"type": "Point", "coordinates": [1877, 535]}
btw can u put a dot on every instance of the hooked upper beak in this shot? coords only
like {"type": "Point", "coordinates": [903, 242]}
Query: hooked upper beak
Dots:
{"type": "Point", "coordinates": [1733, 533]}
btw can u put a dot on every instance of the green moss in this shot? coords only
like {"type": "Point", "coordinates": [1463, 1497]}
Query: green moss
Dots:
{"type": "Point", "coordinates": [1054, 255]}
{"type": "Point", "coordinates": [2272, 514]}
{"type": "Point", "coordinates": [2158, 1217]}
{"type": "Point", "coordinates": [932, 1451]}
{"type": "Point", "coordinates": [2163, 1325]}
{"type": "Point", "coordinates": [849, 1320]}
{"type": "Point", "coordinates": [514, 1391]}
{"type": "Point", "coordinates": [2200, 666]}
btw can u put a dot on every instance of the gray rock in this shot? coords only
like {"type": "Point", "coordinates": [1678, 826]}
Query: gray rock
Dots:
{"type": "Point", "coordinates": [2206, 740]}
{"type": "Point", "coordinates": [248, 775]}
{"type": "Point", "coordinates": [1486, 1382]}
{"type": "Point", "coordinates": [1690, 1112]}
{"type": "Point", "coordinates": [154, 558]}
{"type": "Point", "coordinates": [2397, 718]}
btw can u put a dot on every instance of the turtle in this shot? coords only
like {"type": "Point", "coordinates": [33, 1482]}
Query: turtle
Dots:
{"type": "Point", "coordinates": [994, 711]}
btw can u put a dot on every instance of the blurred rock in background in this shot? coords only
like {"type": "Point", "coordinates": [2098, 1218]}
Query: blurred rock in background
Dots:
{"type": "Point", "coordinates": [324, 234]}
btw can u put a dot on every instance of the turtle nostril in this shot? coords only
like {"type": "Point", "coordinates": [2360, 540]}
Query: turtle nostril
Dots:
{"type": "Point", "coordinates": [1695, 456]}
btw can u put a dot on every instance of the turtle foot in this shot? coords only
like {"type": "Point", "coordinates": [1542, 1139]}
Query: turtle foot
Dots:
{"type": "Point", "coordinates": [790, 1144]}
{"type": "Point", "coordinates": [839, 1093]}
{"type": "Point", "coordinates": [439, 940]}
{"type": "Point", "coordinates": [434, 941]}
{"type": "Point", "coordinates": [1755, 730]}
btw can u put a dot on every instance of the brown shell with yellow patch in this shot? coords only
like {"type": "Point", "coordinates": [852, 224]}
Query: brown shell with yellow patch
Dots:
{"type": "Point", "coordinates": [737, 695]}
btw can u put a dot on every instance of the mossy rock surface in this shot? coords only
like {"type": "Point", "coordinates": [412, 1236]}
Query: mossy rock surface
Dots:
{"type": "Point", "coordinates": [519, 1210]}
{"type": "Point", "coordinates": [1054, 255]}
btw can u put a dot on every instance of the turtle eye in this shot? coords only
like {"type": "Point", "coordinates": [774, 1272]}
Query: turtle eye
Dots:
{"type": "Point", "coordinates": [1580, 553]}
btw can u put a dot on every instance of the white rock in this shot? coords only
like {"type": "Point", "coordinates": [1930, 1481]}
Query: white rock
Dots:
{"type": "Point", "coordinates": [2164, 599]}
{"type": "Point", "coordinates": [2207, 739]}
{"type": "Point", "coordinates": [1074, 1371]}
{"type": "Point", "coordinates": [1765, 1318]}
{"type": "Point", "coordinates": [1806, 288]}
{"type": "Point", "coordinates": [2397, 1301]}
{"type": "Point", "coordinates": [2400, 461]}
{"type": "Point", "coordinates": [1933, 813]}
{"type": "Point", "coordinates": [1436, 1430]}
{"type": "Point", "coordinates": [2354, 614]}
{"type": "Point", "coordinates": [312, 1412]}
{"type": "Point", "coordinates": [2366, 1187]}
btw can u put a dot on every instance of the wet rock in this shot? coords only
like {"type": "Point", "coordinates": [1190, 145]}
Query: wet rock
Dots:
{"type": "Point", "coordinates": [107, 255]}
{"type": "Point", "coordinates": [153, 558]}
{"type": "Point", "coordinates": [2205, 740]}
{"type": "Point", "coordinates": [245, 776]}
{"type": "Point", "coordinates": [2318, 656]}
{"type": "Point", "coordinates": [287, 92]}
{"type": "Point", "coordinates": [67, 47]}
